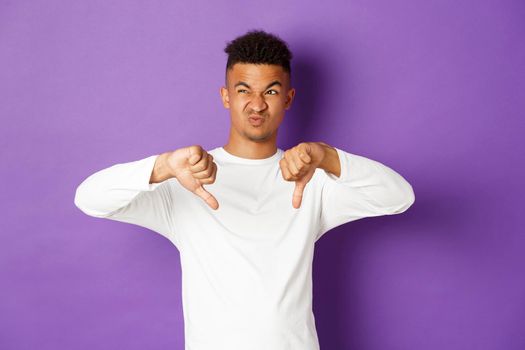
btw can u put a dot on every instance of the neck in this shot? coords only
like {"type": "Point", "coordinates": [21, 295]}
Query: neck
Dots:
{"type": "Point", "coordinates": [250, 149]}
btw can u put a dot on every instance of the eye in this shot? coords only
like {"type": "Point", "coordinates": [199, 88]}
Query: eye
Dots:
{"type": "Point", "coordinates": [241, 90]}
{"type": "Point", "coordinates": [276, 92]}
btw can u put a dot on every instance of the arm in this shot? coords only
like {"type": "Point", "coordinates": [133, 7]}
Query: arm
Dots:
{"type": "Point", "coordinates": [134, 192]}
{"type": "Point", "coordinates": [355, 187]}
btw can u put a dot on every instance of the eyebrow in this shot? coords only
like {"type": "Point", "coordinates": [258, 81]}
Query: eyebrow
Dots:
{"type": "Point", "coordinates": [276, 82]}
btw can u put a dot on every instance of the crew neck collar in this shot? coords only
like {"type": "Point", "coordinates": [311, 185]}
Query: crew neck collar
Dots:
{"type": "Point", "coordinates": [235, 159]}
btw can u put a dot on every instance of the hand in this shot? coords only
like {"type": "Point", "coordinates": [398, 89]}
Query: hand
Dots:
{"type": "Point", "coordinates": [299, 164]}
{"type": "Point", "coordinates": [193, 167]}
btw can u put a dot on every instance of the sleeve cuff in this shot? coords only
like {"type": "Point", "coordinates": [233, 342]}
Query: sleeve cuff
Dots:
{"type": "Point", "coordinates": [146, 167]}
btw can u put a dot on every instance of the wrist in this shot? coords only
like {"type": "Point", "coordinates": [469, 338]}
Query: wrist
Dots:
{"type": "Point", "coordinates": [161, 170]}
{"type": "Point", "coordinates": [330, 161]}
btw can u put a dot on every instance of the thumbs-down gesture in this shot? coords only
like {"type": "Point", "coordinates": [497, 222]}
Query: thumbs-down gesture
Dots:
{"type": "Point", "coordinates": [299, 163]}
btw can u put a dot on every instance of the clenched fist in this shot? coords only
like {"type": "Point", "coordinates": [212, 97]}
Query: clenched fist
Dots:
{"type": "Point", "coordinates": [299, 164]}
{"type": "Point", "coordinates": [193, 167]}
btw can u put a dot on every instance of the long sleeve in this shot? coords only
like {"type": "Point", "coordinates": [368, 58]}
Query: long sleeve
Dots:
{"type": "Point", "coordinates": [123, 193]}
{"type": "Point", "coordinates": [365, 188]}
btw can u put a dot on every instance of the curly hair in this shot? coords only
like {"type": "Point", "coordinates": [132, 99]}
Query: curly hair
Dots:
{"type": "Point", "coordinates": [259, 47]}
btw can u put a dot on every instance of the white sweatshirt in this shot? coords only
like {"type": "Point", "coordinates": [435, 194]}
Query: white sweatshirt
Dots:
{"type": "Point", "coordinates": [246, 267]}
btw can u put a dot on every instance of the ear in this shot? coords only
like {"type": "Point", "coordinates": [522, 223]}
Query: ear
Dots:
{"type": "Point", "coordinates": [289, 98]}
{"type": "Point", "coordinates": [225, 97]}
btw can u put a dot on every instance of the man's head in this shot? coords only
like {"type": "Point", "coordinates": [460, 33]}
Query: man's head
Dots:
{"type": "Point", "coordinates": [258, 83]}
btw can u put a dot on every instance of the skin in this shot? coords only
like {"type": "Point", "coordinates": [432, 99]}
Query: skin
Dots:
{"type": "Point", "coordinates": [265, 90]}
{"type": "Point", "coordinates": [251, 89]}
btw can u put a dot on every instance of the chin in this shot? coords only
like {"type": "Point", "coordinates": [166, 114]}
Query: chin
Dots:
{"type": "Point", "coordinates": [262, 137]}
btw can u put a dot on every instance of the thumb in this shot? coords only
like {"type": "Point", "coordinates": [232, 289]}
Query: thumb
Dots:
{"type": "Point", "coordinates": [207, 196]}
{"type": "Point", "coordinates": [298, 194]}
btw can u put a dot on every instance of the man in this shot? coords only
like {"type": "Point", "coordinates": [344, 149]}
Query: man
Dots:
{"type": "Point", "coordinates": [245, 216]}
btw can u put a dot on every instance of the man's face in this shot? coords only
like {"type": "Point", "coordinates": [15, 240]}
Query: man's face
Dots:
{"type": "Point", "coordinates": [256, 90]}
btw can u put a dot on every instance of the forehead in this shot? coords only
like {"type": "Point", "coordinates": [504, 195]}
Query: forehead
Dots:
{"type": "Point", "coordinates": [256, 75]}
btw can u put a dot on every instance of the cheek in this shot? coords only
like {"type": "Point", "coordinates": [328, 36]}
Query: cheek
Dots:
{"type": "Point", "coordinates": [277, 106]}
{"type": "Point", "coordinates": [237, 104]}
{"type": "Point", "coordinates": [279, 102]}
{"type": "Point", "coordinates": [237, 118]}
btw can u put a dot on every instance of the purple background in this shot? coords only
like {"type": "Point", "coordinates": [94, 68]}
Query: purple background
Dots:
{"type": "Point", "coordinates": [433, 89]}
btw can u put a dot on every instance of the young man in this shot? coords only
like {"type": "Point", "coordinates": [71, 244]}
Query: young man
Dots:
{"type": "Point", "coordinates": [245, 216]}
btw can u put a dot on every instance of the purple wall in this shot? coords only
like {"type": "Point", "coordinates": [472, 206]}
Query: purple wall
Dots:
{"type": "Point", "coordinates": [434, 89]}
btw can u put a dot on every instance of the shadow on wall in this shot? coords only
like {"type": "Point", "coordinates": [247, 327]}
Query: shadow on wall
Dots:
{"type": "Point", "coordinates": [314, 78]}
{"type": "Point", "coordinates": [343, 308]}
{"type": "Point", "coordinates": [310, 78]}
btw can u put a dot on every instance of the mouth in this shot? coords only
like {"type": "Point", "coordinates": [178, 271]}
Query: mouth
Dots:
{"type": "Point", "coordinates": [256, 120]}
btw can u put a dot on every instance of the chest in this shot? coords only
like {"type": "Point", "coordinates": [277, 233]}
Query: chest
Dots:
{"type": "Point", "coordinates": [255, 204]}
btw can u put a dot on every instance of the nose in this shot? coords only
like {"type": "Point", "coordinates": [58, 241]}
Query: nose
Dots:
{"type": "Point", "coordinates": [258, 103]}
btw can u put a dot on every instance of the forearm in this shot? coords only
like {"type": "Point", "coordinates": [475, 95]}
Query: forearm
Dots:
{"type": "Point", "coordinates": [112, 188]}
{"type": "Point", "coordinates": [161, 170]}
{"type": "Point", "coordinates": [378, 185]}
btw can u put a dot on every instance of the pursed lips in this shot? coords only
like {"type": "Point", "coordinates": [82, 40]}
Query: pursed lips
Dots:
{"type": "Point", "coordinates": [256, 120]}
